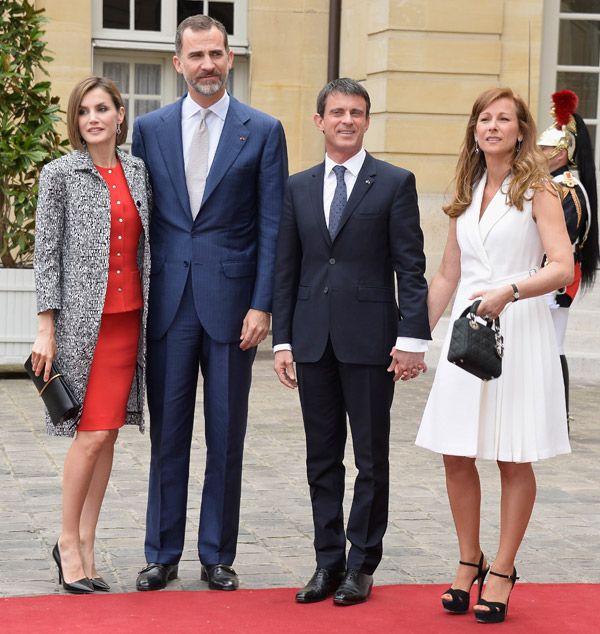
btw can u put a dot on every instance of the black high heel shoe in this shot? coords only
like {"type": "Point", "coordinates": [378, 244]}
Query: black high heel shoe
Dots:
{"type": "Point", "coordinates": [497, 611]}
{"type": "Point", "coordinates": [459, 604]}
{"type": "Point", "coordinates": [99, 584]}
{"type": "Point", "coordinates": [81, 586]}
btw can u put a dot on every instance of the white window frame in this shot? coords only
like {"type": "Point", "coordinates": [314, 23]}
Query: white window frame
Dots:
{"type": "Point", "coordinates": [152, 47]}
{"type": "Point", "coordinates": [550, 67]}
{"type": "Point", "coordinates": [163, 40]}
{"type": "Point", "coordinates": [169, 90]}
{"type": "Point", "coordinates": [168, 79]}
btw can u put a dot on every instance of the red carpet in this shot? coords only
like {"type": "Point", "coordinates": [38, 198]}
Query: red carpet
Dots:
{"type": "Point", "coordinates": [534, 608]}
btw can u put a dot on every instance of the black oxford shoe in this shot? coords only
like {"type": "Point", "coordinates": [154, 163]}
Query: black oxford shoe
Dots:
{"type": "Point", "coordinates": [355, 588]}
{"type": "Point", "coordinates": [156, 576]}
{"type": "Point", "coordinates": [321, 585]}
{"type": "Point", "coordinates": [220, 577]}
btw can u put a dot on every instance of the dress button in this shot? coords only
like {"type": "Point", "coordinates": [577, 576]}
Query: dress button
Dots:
{"type": "Point", "coordinates": [326, 290]}
{"type": "Point", "coordinates": [120, 219]}
{"type": "Point", "coordinates": [118, 255]}
{"type": "Point", "coordinates": [331, 260]}
{"type": "Point", "coordinates": [119, 237]}
{"type": "Point", "coordinates": [110, 171]}
{"type": "Point", "coordinates": [114, 187]}
{"type": "Point", "coordinates": [118, 271]}
{"type": "Point", "coordinates": [118, 202]}
{"type": "Point", "coordinates": [120, 290]}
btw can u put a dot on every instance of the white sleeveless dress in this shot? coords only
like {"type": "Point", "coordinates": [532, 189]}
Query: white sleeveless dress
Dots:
{"type": "Point", "coordinates": [519, 417]}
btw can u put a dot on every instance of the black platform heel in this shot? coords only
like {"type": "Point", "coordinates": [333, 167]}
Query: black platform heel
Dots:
{"type": "Point", "coordinates": [81, 586]}
{"type": "Point", "coordinates": [497, 611]}
{"type": "Point", "coordinates": [459, 604]}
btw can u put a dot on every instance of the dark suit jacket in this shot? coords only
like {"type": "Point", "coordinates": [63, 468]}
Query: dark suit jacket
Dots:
{"type": "Point", "coordinates": [230, 246]}
{"type": "Point", "coordinates": [344, 289]}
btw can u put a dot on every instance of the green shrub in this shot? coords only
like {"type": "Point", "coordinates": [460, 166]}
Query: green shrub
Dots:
{"type": "Point", "coordinates": [28, 115]}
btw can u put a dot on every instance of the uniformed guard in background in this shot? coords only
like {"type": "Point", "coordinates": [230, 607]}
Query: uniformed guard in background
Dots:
{"type": "Point", "coordinates": [570, 155]}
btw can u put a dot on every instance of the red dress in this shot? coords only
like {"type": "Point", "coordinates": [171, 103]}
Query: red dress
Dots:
{"type": "Point", "coordinates": [115, 356]}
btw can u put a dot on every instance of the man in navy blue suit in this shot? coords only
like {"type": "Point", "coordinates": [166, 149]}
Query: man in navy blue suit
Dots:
{"type": "Point", "coordinates": [350, 308]}
{"type": "Point", "coordinates": [218, 170]}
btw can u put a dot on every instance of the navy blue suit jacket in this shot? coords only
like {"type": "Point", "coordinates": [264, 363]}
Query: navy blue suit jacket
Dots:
{"type": "Point", "coordinates": [344, 288]}
{"type": "Point", "coordinates": [230, 246]}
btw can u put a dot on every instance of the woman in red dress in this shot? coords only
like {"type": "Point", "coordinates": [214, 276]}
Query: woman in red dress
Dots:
{"type": "Point", "coordinates": [91, 283]}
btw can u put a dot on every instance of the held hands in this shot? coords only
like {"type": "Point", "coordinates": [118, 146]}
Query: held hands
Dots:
{"type": "Point", "coordinates": [493, 301]}
{"type": "Point", "coordinates": [255, 328]}
{"type": "Point", "coordinates": [406, 365]}
{"type": "Point", "coordinates": [284, 368]}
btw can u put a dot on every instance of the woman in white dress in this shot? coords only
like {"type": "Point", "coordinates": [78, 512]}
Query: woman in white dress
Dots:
{"type": "Point", "coordinates": [505, 214]}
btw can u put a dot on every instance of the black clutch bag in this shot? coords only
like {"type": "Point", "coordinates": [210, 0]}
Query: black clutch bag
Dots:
{"type": "Point", "coordinates": [56, 394]}
{"type": "Point", "coordinates": [475, 346]}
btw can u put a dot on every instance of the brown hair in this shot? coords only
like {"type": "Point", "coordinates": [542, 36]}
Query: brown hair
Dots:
{"type": "Point", "coordinates": [75, 99]}
{"type": "Point", "coordinates": [198, 23]}
{"type": "Point", "coordinates": [529, 167]}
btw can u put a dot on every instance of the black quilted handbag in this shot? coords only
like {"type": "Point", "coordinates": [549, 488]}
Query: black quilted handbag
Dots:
{"type": "Point", "coordinates": [476, 344]}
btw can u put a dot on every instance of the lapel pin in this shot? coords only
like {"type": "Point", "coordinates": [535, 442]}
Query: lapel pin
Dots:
{"type": "Point", "coordinates": [242, 138]}
{"type": "Point", "coordinates": [368, 182]}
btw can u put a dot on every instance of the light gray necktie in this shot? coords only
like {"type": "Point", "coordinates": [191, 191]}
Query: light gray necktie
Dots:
{"type": "Point", "coordinates": [197, 164]}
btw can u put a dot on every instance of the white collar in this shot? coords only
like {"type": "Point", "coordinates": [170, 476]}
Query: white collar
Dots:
{"type": "Point", "coordinates": [190, 108]}
{"type": "Point", "coordinates": [353, 164]}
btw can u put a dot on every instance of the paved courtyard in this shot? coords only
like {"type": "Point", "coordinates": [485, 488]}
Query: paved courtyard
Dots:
{"type": "Point", "coordinates": [275, 543]}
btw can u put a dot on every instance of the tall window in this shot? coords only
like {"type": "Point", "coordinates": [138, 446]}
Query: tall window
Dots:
{"type": "Point", "coordinates": [222, 11]}
{"type": "Point", "coordinates": [571, 52]}
{"type": "Point", "coordinates": [155, 21]}
{"type": "Point", "coordinates": [133, 45]}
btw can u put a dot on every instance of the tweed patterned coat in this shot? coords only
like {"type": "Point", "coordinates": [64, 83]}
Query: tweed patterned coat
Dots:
{"type": "Point", "coordinates": [72, 242]}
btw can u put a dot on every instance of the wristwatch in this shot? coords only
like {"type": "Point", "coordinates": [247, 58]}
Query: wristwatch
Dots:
{"type": "Point", "coordinates": [516, 294]}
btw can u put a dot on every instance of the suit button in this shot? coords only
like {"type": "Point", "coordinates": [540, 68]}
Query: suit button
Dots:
{"type": "Point", "coordinates": [186, 263]}
{"type": "Point", "coordinates": [331, 260]}
{"type": "Point", "coordinates": [326, 290]}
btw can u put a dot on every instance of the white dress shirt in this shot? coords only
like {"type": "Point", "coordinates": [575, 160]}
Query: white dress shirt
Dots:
{"type": "Point", "coordinates": [215, 119]}
{"type": "Point", "coordinates": [353, 166]}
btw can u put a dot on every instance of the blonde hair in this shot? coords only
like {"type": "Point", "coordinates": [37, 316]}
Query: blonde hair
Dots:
{"type": "Point", "coordinates": [75, 99]}
{"type": "Point", "coordinates": [529, 166]}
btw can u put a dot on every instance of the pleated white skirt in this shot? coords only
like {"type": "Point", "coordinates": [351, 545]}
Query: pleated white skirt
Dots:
{"type": "Point", "coordinates": [519, 417]}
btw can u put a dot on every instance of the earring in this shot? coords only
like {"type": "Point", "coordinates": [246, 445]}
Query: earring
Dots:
{"type": "Point", "coordinates": [519, 141]}
{"type": "Point", "coordinates": [118, 129]}
{"type": "Point", "coordinates": [476, 146]}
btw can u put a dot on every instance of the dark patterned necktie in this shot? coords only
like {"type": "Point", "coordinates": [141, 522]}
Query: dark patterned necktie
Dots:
{"type": "Point", "coordinates": [340, 198]}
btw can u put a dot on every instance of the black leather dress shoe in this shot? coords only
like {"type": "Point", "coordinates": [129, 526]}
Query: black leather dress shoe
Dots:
{"type": "Point", "coordinates": [355, 588]}
{"type": "Point", "coordinates": [156, 576]}
{"type": "Point", "coordinates": [220, 577]}
{"type": "Point", "coordinates": [321, 585]}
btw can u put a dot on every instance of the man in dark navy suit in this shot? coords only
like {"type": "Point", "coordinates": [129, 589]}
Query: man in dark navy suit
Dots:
{"type": "Point", "coordinates": [349, 230]}
{"type": "Point", "coordinates": [218, 170]}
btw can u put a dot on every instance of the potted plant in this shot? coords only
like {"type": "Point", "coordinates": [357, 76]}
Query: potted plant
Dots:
{"type": "Point", "coordinates": [28, 140]}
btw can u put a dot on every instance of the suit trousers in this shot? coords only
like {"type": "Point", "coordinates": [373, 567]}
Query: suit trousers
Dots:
{"type": "Point", "coordinates": [330, 389]}
{"type": "Point", "coordinates": [173, 364]}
